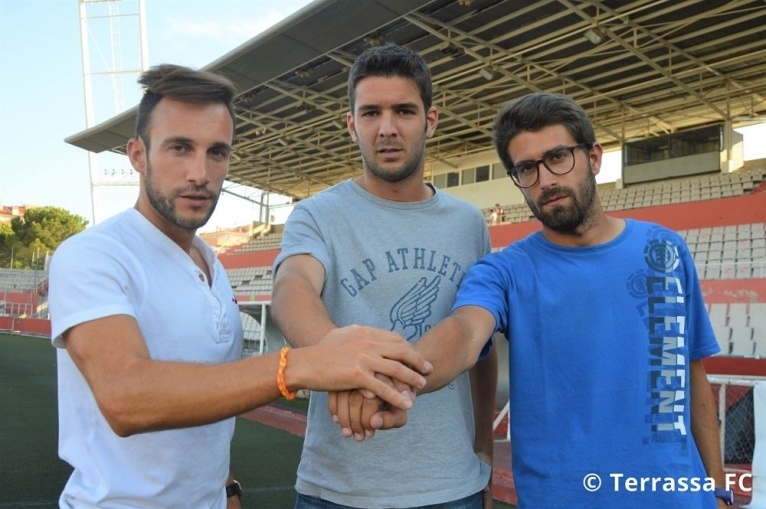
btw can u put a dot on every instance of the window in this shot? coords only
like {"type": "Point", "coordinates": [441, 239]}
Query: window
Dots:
{"type": "Point", "coordinates": [482, 173]}
{"type": "Point", "coordinates": [469, 176]}
{"type": "Point", "coordinates": [669, 146]}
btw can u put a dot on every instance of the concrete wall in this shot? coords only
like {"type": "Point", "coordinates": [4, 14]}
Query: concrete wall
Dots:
{"type": "Point", "coordinates": [485, 194]}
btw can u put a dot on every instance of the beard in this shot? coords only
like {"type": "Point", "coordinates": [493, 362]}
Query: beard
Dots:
{"type": "Point", "coordinates": [166, 208]}
{"type": "Point", "coordinates": [403, 172]}
{"type": "Point", "coordinates": [567, 219]}
{"type": "Point", "coordinates": [406, 170]}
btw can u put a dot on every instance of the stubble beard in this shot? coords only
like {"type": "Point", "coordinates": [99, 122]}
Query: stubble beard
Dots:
{"type": "Point", "coordinates": [411, 166]}
{"type": "Point", "coordinates": [567, 219]}
{"type": "Point", "coordinates": [166, 208]}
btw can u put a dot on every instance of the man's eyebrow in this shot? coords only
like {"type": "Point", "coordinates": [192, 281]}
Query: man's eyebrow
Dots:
{"type": "Point", "coordinates": [397, 106]}
{"type": "Point", "coordinates": [178, 139]}
{"type": "Point", "coordinates": [222, 146]}
{"type": "Point", "coordinates": [545, 154]}
{"type": "Point", "coordinates": [554, 149]}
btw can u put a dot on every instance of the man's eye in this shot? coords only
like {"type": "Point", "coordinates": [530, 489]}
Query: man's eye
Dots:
{"type": "Point", "coordinates": [557, 156]}
{"type": "Point", "coordinates": [219, 154]}
{"type": "Point", "coordinates": [525, 169]}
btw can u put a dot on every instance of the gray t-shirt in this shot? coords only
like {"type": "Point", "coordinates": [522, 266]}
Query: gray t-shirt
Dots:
{"type": "Point", "coordinates": [395, 266]}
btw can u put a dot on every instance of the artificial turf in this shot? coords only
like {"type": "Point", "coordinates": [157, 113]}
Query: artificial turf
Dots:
{"type": "Point", "coordinates": [263, 459]}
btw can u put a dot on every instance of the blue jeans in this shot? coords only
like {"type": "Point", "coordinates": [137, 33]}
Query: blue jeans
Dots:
{"type": "Point", "coordinates": [471, 502]}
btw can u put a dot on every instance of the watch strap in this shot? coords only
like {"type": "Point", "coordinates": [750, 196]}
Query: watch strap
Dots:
{"type": "Point", "coordinates": [234, 489]}
{"type": "Point", "coordinates": [726, 495]}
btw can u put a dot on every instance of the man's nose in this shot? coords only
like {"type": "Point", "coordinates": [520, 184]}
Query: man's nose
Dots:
{"type": "Point", "coordinates": [197, 172]}
{"type": "Point", "coordinates": [545, 177]}
{"type": "Point", "coordinates": [387, 126]}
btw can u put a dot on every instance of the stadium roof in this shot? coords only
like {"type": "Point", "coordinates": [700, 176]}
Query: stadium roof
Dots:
{"type": "Point", "coordinates": [640, 68]}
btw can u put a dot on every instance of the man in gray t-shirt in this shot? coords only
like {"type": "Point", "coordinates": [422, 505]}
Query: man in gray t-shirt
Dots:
{"type": "Point", "coordinates": [389, 251]}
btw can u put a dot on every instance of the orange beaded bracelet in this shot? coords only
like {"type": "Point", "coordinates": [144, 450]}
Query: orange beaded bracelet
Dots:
{"type": "Point", "coordinates": [281, 374]}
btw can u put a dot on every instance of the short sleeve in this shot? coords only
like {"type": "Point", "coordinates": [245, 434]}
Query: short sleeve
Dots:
{"type": "Point", "coordinates": [302, 235]}
{"type": "Point", "coordinates": [88, 280]}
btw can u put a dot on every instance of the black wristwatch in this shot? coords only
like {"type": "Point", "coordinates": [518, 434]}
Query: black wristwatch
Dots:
{"type": "Point", "coordinates": [234, 489]}
{"type": "Point", "coordinates": [726, 495]}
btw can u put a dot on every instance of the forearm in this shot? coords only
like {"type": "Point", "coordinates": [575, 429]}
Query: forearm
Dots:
{"type": "Point", "coordinates": [454, 345]}
{"type": "Point", "coordinates": [483, 388]}
{"type": "Point", "coordinates": [299, 312]}
{"type": "Point", "coordinates": [451, 347]}
{"type": "Point", "coordinates": [137, 393]}
{"type": "Point", "coordinates": [147, 395]}
{"type": "Point", "coordinates": [704, 424]}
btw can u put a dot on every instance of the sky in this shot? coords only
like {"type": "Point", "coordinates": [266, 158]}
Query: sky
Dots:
{"type": "Point", "coordinates": [42, 98]}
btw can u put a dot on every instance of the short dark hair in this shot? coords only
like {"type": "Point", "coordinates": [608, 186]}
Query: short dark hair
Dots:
{"type": "Point", "coordinates": [391, 60]}
{"type": "Point", "coordinates": [536, 111]}
{"type": "Point", "coordinates": [181, 84]}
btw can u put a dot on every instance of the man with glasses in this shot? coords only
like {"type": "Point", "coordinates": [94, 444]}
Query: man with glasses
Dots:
{"type": "Point", "coordinates": [610, 403]}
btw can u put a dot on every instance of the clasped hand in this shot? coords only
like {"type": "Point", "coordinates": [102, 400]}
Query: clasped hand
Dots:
{"type": "Point", "coordinates": [380, 363]}
{"type": "Point", "coordinates": [359, 413]}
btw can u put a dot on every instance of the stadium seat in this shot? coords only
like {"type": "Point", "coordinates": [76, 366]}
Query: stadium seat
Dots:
{"type": "Point", "coordinates": [728, 271]}
{"type": "Point", "coordinates": [723, 335]}
{"type": "Point", "coordinates": [757, 318]}
{"type": "Point", "coordinates": [718, 315]}
{"type": "Point", "coordinates": [738, 316]}
{"type": "Point", "coordinates": [713, 272]}
{"type": "Point", "coordinates": [740, 345]}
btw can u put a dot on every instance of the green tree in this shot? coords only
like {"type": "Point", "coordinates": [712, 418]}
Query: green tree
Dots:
{"type": "Point", "coordinates": [8, 245]}
{"type": "Point", "coordinates": [38, 232]}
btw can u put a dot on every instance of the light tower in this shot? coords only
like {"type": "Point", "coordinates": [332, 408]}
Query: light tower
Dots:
{"type": "Point", "coordinates": [116, 30]}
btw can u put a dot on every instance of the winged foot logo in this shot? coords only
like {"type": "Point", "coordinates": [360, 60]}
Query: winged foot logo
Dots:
{"type": "Point", "coordinates": [411, 313]}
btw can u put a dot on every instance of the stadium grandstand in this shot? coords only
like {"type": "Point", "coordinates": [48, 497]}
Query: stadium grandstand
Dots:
{"type": "Point", "coordinates": [667, 82]}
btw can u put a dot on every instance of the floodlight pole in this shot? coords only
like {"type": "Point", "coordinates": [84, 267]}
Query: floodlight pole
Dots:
{"type": "Point", "coordinates": [114, 70]}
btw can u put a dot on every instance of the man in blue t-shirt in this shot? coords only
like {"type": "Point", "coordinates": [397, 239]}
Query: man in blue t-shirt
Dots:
{"type": "Point", "coordinates": [610, 403]}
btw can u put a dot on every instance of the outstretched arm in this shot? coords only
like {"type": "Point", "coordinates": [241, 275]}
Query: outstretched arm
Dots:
{"type": "Point", "coordinates": [297, 306]}
{"type": "Point", "coordinates": [137, 394]}
{"type": "Point", "coordinates": [455, 344]}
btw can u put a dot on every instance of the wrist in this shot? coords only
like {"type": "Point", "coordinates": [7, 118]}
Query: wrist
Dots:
{"type": "Point", "coordinates": [297, 376]}
{"type": "Point", "coordinates": [285, 382]}
{"type": "Point", "coordinates": [234, 489]}
{"type": "Point", "coordinates": [724, 495]}
{"type": "Point", "coordinates": [485, 457]}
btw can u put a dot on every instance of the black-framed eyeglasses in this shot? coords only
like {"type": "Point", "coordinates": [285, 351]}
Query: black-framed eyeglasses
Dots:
{"type": "Point", "coordinates": [558, 161]}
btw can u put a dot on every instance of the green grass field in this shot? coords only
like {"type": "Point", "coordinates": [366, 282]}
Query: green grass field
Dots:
{"type": "Point", "coordinates": [264, 459]}
{"type": "Point", "coordinates": [31, 474]}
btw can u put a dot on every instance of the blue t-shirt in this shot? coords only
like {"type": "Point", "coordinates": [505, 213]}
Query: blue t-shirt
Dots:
{"type": "Point", "coordinates": [600, 340]}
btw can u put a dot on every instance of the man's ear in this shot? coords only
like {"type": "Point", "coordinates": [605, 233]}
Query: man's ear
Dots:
{"type": "Point", "coordinates": [350, 126]}
{"type": "Point", "coordinates": [136, 150]}
{"type": "Point", "coordinates": [432, 120]}
{"type": "Point", "coordinates": [596, 157]}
